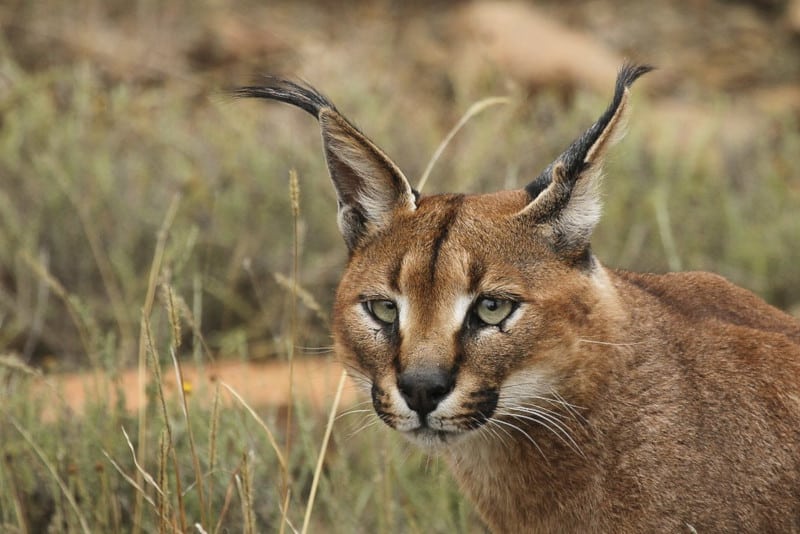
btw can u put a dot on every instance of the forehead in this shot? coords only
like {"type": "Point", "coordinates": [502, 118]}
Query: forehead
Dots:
{"type": "Point", "coordinates": [500, 204]}
{"type": "Point", "coordinates": [446, 237]}
{"type": "Point", "coordinates": [457, 219]}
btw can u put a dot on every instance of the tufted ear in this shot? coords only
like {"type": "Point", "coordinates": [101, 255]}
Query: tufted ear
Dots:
{"type": "Point", "coordinates": [370, 188]}
{"type": "Point", "coordinates": [565, 196]}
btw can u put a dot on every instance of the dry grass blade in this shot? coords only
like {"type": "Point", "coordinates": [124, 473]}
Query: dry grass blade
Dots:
{"type": "Point", "coordinates": [198, 473]}
{"type": "Point", "coordinates": [193, 318]}
{"type": "Point", "coordinates": [473, 110]}
{"type": "Point", "coordinates": [62, 293]}
{"type": "Point", "coordinates": [164, 446]}
{"type": "Point", "coordinates": [147, 308]}
{"type": "Point", "coordinates": [294, 195]}
{"type": "Point", "coordinates": [15, 363]}
{"type": "Point", "coordinates": [172, 312]}
{"type": "Point", "coordinates": [285, 513]}
{"type": "Point", "coordinates": [130, 480]}
{"type": "Point", "coordinates": [226, 504]}
{"type": "Point", "coordinates": [176, 466]}
{"type": "Point", "coordinates": [323, 449]}
{"type": "Point", "coordinates": [247, 497]}
{"type": "Point", "coordinates": [303, 294]}
{"type": "Point", "coordinates": [62, 486]}
{"type": "Point", "coordinates": [270, 435]}
{"type": "Point", "coordinates": [145, 475]}
{"type": "Point", "coordinates": [212, 448]}
{"type": "Point", "coordinates": [154, 363]}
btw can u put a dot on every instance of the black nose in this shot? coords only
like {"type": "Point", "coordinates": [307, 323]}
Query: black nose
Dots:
{"type": "Point", "coordinates": [424, 388]}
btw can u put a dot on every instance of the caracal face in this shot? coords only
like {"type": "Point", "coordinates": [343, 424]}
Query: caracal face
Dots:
{"type": "Point", "coordinates": [451, 318]}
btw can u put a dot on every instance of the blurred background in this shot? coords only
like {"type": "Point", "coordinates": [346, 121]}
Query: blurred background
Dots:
{"type": "Point", "coordinates": [132, 184]}
{"type": "Point", "coordinates": [110, 109]}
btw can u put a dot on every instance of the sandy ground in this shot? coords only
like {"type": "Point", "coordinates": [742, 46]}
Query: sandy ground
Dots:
{"type": "Point", "coordinates": [260, 384]}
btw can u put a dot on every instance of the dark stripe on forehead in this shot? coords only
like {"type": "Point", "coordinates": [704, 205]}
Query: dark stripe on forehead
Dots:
{"type": "Point", "coordinates": [476, 272]}
{"type": "Point", "coordinates": [394, 274]}
{"type": "Point", "coordinates": [448, 217]}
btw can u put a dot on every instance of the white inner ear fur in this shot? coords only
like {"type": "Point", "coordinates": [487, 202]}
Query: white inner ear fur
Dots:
{"type": "Point", "coordinates": [584, 208]}
{"type": "Point", "coordinates": [582, 212]}
{"type": "Point", "coordinates": [371, 185]}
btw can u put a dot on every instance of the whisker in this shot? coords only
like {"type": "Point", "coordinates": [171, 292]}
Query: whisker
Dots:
{"type": "Point", "coordinates": [355, 373]}
{"type": "Point", "coordinates": [362, 403]}
{"type": "Point", "coordinates": [481, 429]}
{"type": "Point", "coordinates": [610, 343]}
{"type": "Point", "coordinates": [491, 428]}
{"type": "Point", "coordinates": [407, 450]}
{"type": "Point", "coordinates": [556, 400]}
{"type": "Point", "coordinates": [572, 409]}
{"type": "Point", "coordinates": [551, 424]}
{"type": "Point", "coordinates": [521, 431]}
{"type": "Point", "coordinates": [428, 460]}
{"type": "Point", "coordinates": [559, 399]}
{"type": "Point", "coordinates": [522, 385]}
{"type": "Point", "coordinates": [372, 422]}
{"type": "Point", "coordinates": [497, 428]}
{"type": "Point", "coordinates": [353, 412]}
{"type": "Point", "coordinates": [359, 379]}
{"type": "Point", "coordinates": [532, 408]}
{"type": "Point", "coordinates": [315, 350]}
{"type": "Point", "coordinates": [360, 386]}
{"type": "Point", "coordinates": [365, 417]}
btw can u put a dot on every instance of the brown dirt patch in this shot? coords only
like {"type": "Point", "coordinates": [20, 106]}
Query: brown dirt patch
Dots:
{"type": "Point", "coordinates": [260, 384]}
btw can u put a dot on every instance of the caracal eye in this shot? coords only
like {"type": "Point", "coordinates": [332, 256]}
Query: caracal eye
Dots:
{"type": "Point", "coordinates": [493, 311]}
{"type": "Point", "coordinates": [384, 311]}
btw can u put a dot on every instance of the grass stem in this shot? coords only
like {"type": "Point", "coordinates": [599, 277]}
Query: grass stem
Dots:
{"type": "Point", "coordinates": [147, 308]}
{"type": "Point", "coordinates": [321, 459]}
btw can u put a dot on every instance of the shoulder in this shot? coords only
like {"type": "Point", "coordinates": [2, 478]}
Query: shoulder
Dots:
{"type": "Point", "coordinates": [702, 296]}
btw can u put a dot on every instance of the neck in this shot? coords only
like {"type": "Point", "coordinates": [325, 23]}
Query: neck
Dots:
{"type": "Point", "coordinates": [514, 475]}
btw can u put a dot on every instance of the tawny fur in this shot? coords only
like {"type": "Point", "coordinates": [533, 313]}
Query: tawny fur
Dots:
{"type": "Point", "coordinates": [604, 401]}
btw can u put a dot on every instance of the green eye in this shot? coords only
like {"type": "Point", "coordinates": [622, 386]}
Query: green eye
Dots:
{"type": "Point", "coordinates": [384, 311]}
{"type": "Point", "coordinates": [493, 311]}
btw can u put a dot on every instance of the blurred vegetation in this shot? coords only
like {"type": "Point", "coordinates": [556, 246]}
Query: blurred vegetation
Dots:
{"type": "Point", "coordinates": [96, 148]}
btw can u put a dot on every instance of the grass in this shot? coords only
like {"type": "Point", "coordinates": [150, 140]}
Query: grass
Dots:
{"type": "Point", "coordinates": [147, 224]}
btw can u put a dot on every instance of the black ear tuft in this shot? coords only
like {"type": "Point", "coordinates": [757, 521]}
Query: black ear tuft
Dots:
{"type": "Point", "coordinates": [539, 184]}
{"type": "Point", "coordinates": [574, 159]}
{"type": "Point", "coordinates": [370, 188]}
{"type": "Point", "coordinates": [303, 96]}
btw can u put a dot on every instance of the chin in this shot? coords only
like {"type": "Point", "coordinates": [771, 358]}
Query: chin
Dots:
{"type": "Point", "coordinates": [435, 441]}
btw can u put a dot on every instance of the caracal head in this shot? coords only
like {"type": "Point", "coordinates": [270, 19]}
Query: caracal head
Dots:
{"type": "Point", "coordinates": [459, 312]}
